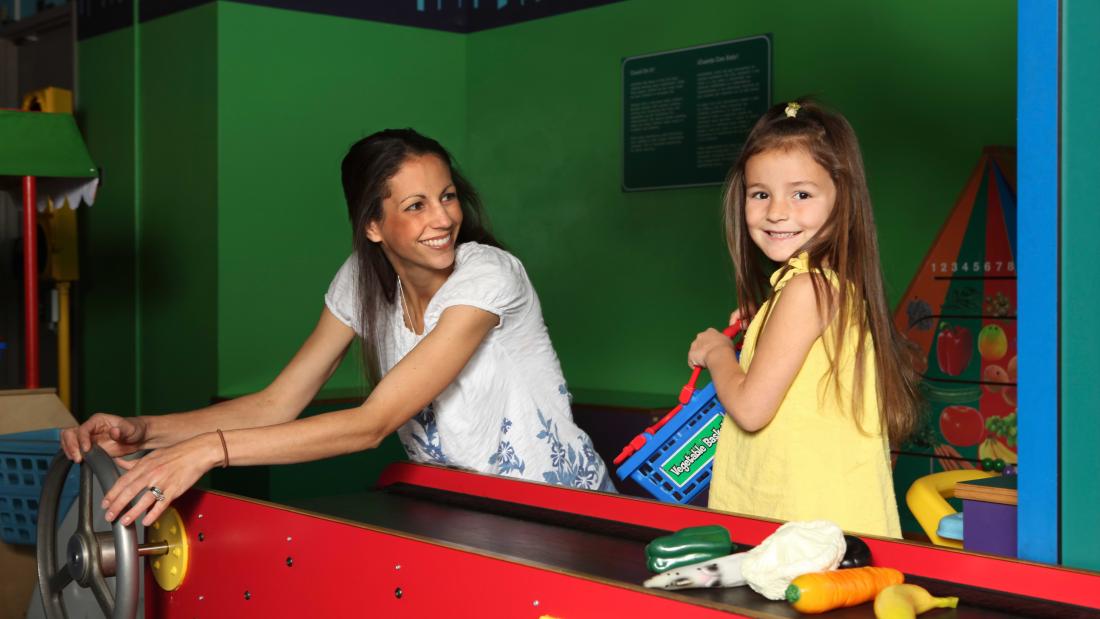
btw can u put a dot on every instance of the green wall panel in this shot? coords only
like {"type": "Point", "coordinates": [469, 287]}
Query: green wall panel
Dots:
{"type": "Point", "coordinates": [1080, 286]}
{"type": "Point", "coordinates": [178, 250]}
{"type": "Point", "coordinates": [626, 280]}
{"type": "Point", "coordinates": [295, 91]}
{"type": "Point", "coordinates": [105, 318]}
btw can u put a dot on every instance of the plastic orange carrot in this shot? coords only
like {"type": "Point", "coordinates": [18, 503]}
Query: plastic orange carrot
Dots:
{"type": "Point", "coordinates": [824, 591]}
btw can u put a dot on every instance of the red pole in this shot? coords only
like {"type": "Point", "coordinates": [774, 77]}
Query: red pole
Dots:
{"type": "Point", "coordinates": [30, 278]}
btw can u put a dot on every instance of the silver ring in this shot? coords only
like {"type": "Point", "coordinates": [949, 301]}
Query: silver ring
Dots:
{"type": "Point", "coordinates": [158, 494]}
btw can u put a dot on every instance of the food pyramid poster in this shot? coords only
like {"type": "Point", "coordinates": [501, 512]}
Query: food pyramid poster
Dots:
{"type": "Point", "coordinates": [960, 310]}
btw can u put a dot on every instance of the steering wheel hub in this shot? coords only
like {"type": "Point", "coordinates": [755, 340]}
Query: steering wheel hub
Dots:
{"type": "Point", "coordinates": [79, 560]}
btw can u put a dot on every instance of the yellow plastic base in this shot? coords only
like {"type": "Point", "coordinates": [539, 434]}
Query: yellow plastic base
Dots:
{"type": "Point", "coordinates": [927, 499]}
{"type": "Point", "coordinates": [169, 569]}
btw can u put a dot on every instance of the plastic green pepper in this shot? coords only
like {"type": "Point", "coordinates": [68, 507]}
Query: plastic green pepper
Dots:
{"type": "Point", "coordinates": [687, 546]}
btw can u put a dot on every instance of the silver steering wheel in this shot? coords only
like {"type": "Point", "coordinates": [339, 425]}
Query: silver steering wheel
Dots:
{"type": "Point", "coordinates": [91, 556]}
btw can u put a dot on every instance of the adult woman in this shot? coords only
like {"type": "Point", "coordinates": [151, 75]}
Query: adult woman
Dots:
{"type": "Point", "coordinates": [453, 339]}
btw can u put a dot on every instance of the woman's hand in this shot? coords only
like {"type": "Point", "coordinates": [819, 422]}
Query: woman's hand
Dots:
{"type": "Point", "coordinates": [172, 470]}
{"type": "Point", "coordinates": [707, 343]}
{"type": "Point", "coordinates": [118, 436]}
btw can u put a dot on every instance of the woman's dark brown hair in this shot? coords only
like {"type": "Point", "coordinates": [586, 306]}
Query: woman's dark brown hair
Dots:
{"type": "Point", "coordinates": [366, 171]}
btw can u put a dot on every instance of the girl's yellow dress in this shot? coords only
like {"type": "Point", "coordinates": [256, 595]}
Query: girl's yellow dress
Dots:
{"type": "Point", "coordinates": [812, 461]}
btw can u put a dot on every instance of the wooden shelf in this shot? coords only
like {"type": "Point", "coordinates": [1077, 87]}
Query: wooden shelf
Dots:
{"type": "Point", "coordinates": [1000, 489]}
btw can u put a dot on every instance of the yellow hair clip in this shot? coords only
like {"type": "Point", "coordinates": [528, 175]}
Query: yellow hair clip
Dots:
{"type": "Point", "coordinates": [792, 109]}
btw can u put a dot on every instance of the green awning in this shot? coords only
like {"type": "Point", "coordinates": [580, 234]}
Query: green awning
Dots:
{"type": "Point", "coordinates": [50, 148]}
{"type": "Point", "coordinates": [43, 145]}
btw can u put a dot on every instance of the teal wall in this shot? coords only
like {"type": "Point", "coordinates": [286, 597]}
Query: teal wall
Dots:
{"type": "Point", "coordinates": [1080, 223]}
{"type": "Point", "coordinates": [627, 279]}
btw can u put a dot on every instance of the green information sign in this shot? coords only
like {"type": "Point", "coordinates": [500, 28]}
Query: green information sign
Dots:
{"type": "Point", "coordinates": [687, 112]}
{"type": "Point", "coordinates": [694, 454]}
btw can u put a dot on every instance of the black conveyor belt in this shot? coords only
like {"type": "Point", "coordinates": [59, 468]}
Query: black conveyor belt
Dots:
{"type": "Point", "coordinates": [607, 551]}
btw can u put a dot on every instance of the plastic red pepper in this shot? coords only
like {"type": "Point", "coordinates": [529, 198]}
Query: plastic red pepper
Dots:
{"type": "Point", "coordinates": [954, 348]}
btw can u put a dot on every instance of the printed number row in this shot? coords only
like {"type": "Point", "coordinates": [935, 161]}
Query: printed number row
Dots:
{"type": "Point", "coordinates": [989, 266]}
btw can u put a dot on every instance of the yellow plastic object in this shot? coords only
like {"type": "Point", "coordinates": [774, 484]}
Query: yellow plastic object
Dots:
{"type": "Point", "coordinates": [64, 361]}
{"type": "Point", "coordinates": [927, 499]}
{"type": "Point", "coordinates": [49, 99]}
{"type": "Point", "coordinates": [169, 569]}
{"type": "Point", "coordinates": [59, 223]}
{"type": "Point", "coordinates": [908, 601]}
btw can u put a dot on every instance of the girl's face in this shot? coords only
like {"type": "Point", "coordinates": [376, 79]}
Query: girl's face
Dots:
{"type": "Point", "coordinates": [420, 218]}
{"type": "Point", "coordinates": [789, 197]}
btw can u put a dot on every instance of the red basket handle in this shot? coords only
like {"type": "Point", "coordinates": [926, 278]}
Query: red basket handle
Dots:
{"type": "Point", "coordinates": [686, 392]}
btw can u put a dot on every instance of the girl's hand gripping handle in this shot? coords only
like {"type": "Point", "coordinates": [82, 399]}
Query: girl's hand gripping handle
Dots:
{"type": "Point", "coordinates": [687, 390]}
{"type": "Point", "coordinates": [685, 396]}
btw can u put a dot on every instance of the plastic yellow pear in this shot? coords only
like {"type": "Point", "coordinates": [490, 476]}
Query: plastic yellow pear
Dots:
{"type": "Point", "coordinates": [908, 601]}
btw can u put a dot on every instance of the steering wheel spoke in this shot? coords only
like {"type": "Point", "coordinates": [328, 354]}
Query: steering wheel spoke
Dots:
{"type": "Point", "coordinates": [60, 580]}
{"type": "Point", "coordinates": [103, 593]}
{"type": "Point", "coordinates": [84, 504]}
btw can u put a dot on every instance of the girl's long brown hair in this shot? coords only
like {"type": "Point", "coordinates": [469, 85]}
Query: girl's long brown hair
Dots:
{"type": "Point", "coordinates": [846, 243]}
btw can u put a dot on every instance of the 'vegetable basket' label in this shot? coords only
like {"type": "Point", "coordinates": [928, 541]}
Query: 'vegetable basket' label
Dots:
{"type": "Point", "coordinates": [694, 454]}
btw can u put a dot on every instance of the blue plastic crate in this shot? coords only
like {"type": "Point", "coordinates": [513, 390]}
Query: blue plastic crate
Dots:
{"type": "Point", "coordinates": [675, 463]}
{"type": "Point", "coordinates": [24, 460]}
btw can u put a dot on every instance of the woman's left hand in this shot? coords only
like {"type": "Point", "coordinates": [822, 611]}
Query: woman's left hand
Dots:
{"type": "Point", "coordinates": [705, 343]}
{"type": "Point", "coordinates": [172, 470]}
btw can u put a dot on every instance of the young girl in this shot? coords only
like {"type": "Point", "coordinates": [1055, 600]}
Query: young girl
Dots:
{"type": "Point", "coordinates": [824, 379]}
{"type": "Point", "coordinates": [452, 336]}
